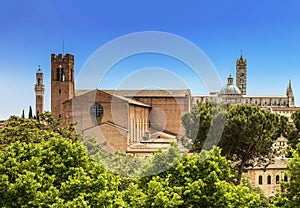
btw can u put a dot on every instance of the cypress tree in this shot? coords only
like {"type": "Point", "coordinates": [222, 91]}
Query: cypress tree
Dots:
{"type": "Point", "coordinates": [30, 112]}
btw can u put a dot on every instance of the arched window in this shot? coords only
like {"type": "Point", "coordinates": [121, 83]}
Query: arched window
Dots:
{"type": "Point", "coordinates": [260, 180]}
{"type": "Point", "coordinates": [269, 179]}
{"type": "Point", "coordinates": [277, 178]}
{"type": "Point", "coordinates": [285, 178]}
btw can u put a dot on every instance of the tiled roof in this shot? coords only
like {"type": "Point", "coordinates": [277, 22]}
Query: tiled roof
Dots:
{"type": "Point", "coordinates": [264, 96]}
{"type": "Point", "coordinates": [149, 93]}
{"type": "Point", "coordinates": [279, 163]}
{"type": "Point", "coordinates": [131, 101]}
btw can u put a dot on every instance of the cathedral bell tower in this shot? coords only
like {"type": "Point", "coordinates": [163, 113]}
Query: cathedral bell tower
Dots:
{"type": "Point", "coordinates": [39, 89]}
{"type": "Point", "coordinates": [62, 82]}
{"type": "Point", "coordinates": [241, 74]}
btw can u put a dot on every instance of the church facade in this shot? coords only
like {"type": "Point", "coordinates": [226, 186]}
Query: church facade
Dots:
{"type": "Point", "coordinates": [140, 121]}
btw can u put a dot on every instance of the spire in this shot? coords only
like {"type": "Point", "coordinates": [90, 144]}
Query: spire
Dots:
{"type": "Point", "coordinates": [241, 59]}
{"type": "Point", "coordinates": [290, 95]}
{"type": "Point", "coordinates": [289, 90]}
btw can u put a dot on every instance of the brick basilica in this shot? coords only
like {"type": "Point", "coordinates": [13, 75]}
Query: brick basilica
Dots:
{"type": "Point", "coordinates": [139, 121]}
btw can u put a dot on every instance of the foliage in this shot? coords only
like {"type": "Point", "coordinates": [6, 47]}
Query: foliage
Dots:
{"type": "Point", "coordinates": [201, 180]}
{"type": "Point", "coordinates": [44, 165]}
{"type": "Point", "coordinates": [248, 135]}
{"type": "Point", "coordinates": [198, 125]}
{"type": "Point", "coordinates": [294, 133]}
{"type": "Point", "coordinates": [123, 164]}
{"type": "Point", "coordinates": [30, 115]}
{"type": "Point", "coordinates": [53, 173]}
{"type": "Point", "coordinates": [34, 131]}
{"type": "Point", "coordinates": [290, 195]}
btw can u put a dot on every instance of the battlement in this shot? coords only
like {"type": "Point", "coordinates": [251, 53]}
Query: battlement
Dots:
{"type": "Point", "coordinates": [60, 58]}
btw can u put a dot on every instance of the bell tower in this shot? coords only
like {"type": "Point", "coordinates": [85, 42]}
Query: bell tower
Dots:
{"type": "Point", "coordinates": [39, 89]}
{"type": "Point", "coordinates": [62, 82]}
{"type": "Point", "coordinates": [241, 74]}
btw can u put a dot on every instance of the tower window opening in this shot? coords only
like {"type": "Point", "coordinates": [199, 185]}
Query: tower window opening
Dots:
{"type": "Point", "coordinates": [59, 91]}
{"type": "Point", "coordinates": [285, 178]}
{"type": "Point", "coordinates": [72, 74]}
{"type": "Point", "coordinates": [57, 74]}
{"type": "Point", "coordinates": [39, 81]}
{"type": "Point", "coordinates": [63, 77]}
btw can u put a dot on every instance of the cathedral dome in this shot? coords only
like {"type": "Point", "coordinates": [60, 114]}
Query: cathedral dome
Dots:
{"type": "Point", "coordinates": [230, 88]}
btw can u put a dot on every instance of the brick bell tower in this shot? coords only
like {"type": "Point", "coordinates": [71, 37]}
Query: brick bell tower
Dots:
{"type": "Point", "coordinates": [62, 82]}
{"type": "Point", "coordinates": [39, 89]}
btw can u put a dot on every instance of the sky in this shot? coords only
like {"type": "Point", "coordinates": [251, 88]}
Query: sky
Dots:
{"type": "Point", "coordinates": [268, 33]}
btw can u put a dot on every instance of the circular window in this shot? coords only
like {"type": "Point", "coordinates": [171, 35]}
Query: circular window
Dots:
{"type": "Point", "coordinates": [97, 110]}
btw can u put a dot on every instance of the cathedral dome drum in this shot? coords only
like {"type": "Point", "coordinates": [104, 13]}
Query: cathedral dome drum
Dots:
{"type": "Point", "coordinates": [230, 88]}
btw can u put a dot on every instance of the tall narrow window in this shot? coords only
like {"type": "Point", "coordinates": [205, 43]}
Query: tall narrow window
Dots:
{"type": "Point", "coordinates": [57, 74]}
{"type": "Point", "coordinates": [63, 75]}
{"type": "Point", "coordinates": [277, 178]}
{"type": "Point", "coordinates": [39, 81]}
{"type": "Point", "coordinates": [285, 178]}
{"type": "Point", "coordinates": [260, 180]}
{"type": "Point", "coordinates": [269, 179]}
{"type": "Point", "coordinates": [72, 74]}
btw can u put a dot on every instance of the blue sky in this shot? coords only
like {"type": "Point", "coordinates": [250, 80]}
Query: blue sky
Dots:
{"type": "Point", "coordinates": [267, 31]}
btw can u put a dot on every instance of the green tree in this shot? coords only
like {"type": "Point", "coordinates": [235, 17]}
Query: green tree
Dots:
{"type": "Point", "coordinates": [32, 130]}
{"type": "Point", "coordinates": [289, 197]}
{"type": "Point", "coordinates": [248, 135]}
{"type": "Point", "coordinates": [30, 115]}
{"type": "Point", "coordinates": [54, 173]}
{"type": "Point", "coordinates": [294, 133]}
{"type": "Point", "coordinates": [201, 180]}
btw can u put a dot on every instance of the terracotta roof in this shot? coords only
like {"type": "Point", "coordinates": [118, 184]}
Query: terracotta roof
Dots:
{"type": "Point", "coordinates": [149, 93]}
{"type": "Point", "coordinates": [2, 123]}
{"type": "Point", "coordinates": [279, 163]}
{"type": "Point", "coordinates": [131, 101]}
{"type": "Point", "coordinates": [281, 139]}
{"type": "Point", "coordinates": [265, 96]}
{"type": "Point", "coordinates": [284, 108]}
{"type": "Point", "coordinates": [81, 92]}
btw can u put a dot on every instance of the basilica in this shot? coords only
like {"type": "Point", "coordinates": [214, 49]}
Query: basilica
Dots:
{"type": "Point", "coordinates": [140, 121]}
